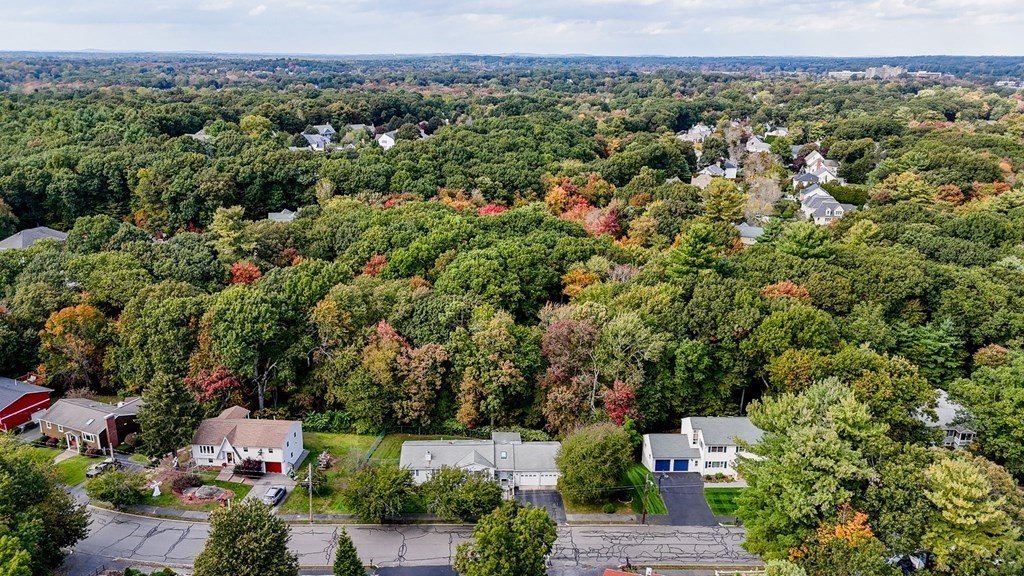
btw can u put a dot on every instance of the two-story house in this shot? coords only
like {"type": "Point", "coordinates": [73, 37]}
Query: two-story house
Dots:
{"type": "Point", "coordinates": [708, 445]}
{"type": "Point", "coordinates": [232, 437]}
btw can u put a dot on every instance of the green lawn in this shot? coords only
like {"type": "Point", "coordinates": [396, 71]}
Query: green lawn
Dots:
{"type": "Point", "coordinates": [635, 476]}
{"type": "Point", "coordinates": [72, 470]}
{"type": "Point", "coordinates": [722, 500]}
{"type": "Point", "coordinates": [140, 459]}
{"type": "Point", "coordinates": [168, 500]}
{"type": "Point", "coordinates": [44, 455]}
{"type": "Point", "coordinates": [348, 451]}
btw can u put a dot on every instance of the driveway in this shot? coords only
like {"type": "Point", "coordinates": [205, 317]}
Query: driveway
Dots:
{"type": "Point", "coordinates": [261, 485]}
{"type": "Point", "coordinates": [683, 493]}
{"type": "Point", "coordinates": [550, 500]}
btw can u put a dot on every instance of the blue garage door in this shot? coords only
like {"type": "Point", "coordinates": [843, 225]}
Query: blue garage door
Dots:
{"type": "Point", "coordinates": [680, 465]}
{"type": "Point", "coordinates": [661, 465]}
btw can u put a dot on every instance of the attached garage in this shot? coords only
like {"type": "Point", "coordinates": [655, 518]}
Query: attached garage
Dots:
{"type": "Point", "coordinates": [668, 452]}
{"type": "Point", "coordinates": [529, 479]}
{"type": "Point", "coordinates": [662, 465]}
{"type": "Point", "coordinates": [273, 467]}
{"type": "Point", "coordinates": [549, 479]}
{"type": "Point", "coordinates": [680, 465]}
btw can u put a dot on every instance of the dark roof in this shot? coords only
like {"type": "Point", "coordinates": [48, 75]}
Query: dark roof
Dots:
{"type": "Point", "coordinates": [26, 238]}
{"type": "Point", "coordinates": [12, 390]}
{"type": "Point", "coordinates": [806, 177]}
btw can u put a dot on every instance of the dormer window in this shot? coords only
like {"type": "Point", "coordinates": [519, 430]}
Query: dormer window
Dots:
{"type": "Point", "coordinates": [504, 455]}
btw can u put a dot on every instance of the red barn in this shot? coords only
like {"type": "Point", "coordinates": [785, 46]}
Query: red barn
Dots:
{"type": "Point", "coordinates": [19, 401]}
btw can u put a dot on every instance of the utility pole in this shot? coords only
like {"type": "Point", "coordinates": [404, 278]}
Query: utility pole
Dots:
{"type": "Point", "coordinates": [309, 480]}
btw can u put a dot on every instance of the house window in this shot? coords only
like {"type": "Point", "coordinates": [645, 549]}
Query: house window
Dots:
{"type": "Point", "coordinates": [60, 427]}
{"type": "Point", "coordinates": [206, 450]}
{"type": "Point", "coordinates": [49, 425]}
{"type": "Point", "coordinates": [718, 449]}
{"type": "Point", "coordinates": [246, 449]}
{"type": "Point", "coordinates": [211, 460]}
{"type": "Point", "coordinates": [271, 450]}
{"type": "Point", "coordinates": [504, 455]}
{"type": "Point", "coordinates": [88, 437]}
{"type": "Point", "coordinates": [286, 444]}
{"type": "Point", "coordinates": [710, 464]}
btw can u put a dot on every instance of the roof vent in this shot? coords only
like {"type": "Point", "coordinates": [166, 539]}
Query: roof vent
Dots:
{"type": "Point", "coordinates": [90, 421]}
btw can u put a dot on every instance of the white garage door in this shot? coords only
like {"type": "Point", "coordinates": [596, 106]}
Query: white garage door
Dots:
{"type": "Point", "coordinates": [548, 479]}
{"type": "Point", "coordinates": [529, 479]}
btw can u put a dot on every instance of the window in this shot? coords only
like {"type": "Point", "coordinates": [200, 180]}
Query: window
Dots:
{"type": "Point", "coordinates": [60, 427]}
{"type": "Point", "coordinates": [504, 455]}
{"type": "Point", "coordinates": [246, 449]}
{"type": "Point", "coordinates": [710, 464]}
{"type": "Point", "coordinates": [718, 449]}
{"type": "Point", "coordinates": [271, 450]}
{"type": "Point", "coordinates": [211, 460]}
{"type": "Point", "coordinates": [88, 437]}
{"type": "Point", "coordinates": [206, 450]}
{"type": "Point", "coordinates": [49, 425]}
{"type": "Point", "coordinates": [286, 444]}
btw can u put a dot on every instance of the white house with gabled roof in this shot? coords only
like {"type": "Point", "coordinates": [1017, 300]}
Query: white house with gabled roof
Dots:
{"type": "Point", "coordinates": [705, 444]}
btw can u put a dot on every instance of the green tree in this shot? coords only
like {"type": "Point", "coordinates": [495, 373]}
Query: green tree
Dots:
{"type": "Point", "coordinates": [969, 524]}
{"type": "Point", "coordinates": [723, 201]}
{"type": "Point", "coordinates": [118, 487]}
{"type": "Point", "coordinates": [456, 494]}
{"type": "Point", "coordinates": [346, 559]}
{"type": "Point", "coordinates": [511, 541]}
{"type": "Point", "coordinates": [592, 461]}
{"type": "Point", "coordinates": [39, 514]}
{"type": "Point", "coordinates": [697, 250]}
{"type": "Point", "coordinates": [246, 539]}
{"type": "Point", "coordinates": [805, 240]}
{"type": "Point", "coordinates": [375, 493]}
{"type": "Point", "coordinates": [14, 561]}
{"type": "Point", "coordinates": [168, 417]}
{"type": "Point", "coordinates": [810, 461]}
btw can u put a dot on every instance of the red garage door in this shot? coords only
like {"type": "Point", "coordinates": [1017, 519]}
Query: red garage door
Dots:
{"type": "Point", "coordinates": [273, 467]}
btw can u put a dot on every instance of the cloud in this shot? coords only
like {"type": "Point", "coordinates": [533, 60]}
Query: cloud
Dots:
{"type": "Point", "coordinates": [672, 27]}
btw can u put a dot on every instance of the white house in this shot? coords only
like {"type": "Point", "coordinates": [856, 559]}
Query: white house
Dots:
{"type": "Point", "coordinates": [820, 207]}
{"type": "Point", "coordinates": [285, 215]}
{"type": "Point", "coordinates": [233, 437]}
{"type": "Point", "coordinates": [387, 139]}
{"type": "Point", "coordinates": [504, 458]}
{"type": "Point", "coordinates": [776, 132]}
{"type": "Point", "coordinates": [696, 134]}
{"type": "Point", "coordinates": [947, 412]}
{"type": "Point", "coordinates": [317, 142]}
{"type": "Point", "coordinates": [325, 130]}
{"type": "Point", "coordinates": [755, 145]}
{"type": "Point", "coordinates": [707, 445]}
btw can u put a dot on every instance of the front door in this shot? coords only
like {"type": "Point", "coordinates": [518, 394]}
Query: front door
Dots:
{"type": "Point", "coordinates": [231, 458]}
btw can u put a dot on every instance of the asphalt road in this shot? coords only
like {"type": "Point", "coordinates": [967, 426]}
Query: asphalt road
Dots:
{"type": "Point", "coordinates": [117, 537]}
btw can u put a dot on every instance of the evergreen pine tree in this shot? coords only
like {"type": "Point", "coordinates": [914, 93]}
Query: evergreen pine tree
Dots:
{"type": "Point", "coordinates": [346, 560]}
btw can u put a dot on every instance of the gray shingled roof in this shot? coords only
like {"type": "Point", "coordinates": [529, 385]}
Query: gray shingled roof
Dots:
{"type": "Point", "coordinates": [12, 390]}
{"type": "Point", "coordinates": [806, 177]}
{"type": "Point", "coordinates": [522, 457]}
{"type": "Point", "coordinates": [26, 238]}
{"type": "Point", "coordinates": [316, 140]}
{"type": "Point", "coordinates": [87, 415]}
{"type": "Point", "coordinates": [748, 231]}
{"type": "Point", "coordinates": [672, 446]}
{"type": "Point", "coordinates": [724, 430]}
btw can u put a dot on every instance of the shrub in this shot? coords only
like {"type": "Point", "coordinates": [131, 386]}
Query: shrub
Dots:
{"type": "Point", "coordinates": [592, 461]}
{"type": "Point", "coordinates": [455, 494]}
{"type": "Point", "coordinates": [376, 493]}
{"type": "Point", "coordinates": [92, 452]}
{"type": "Point", "coordinates": [51, 442]}
{"type": "Point", "coordinates": [608, 508]}
{"type": "Point", "coordinates": [184, 481]}
{"type": "Point", "coordinates": [119, 487]}
{"type": "Point", "coordinates": [132, 440]}
{"type": "Point", "coordinates": [249, 467]}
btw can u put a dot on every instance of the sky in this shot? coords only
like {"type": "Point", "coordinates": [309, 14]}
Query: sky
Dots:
{"type": "Point", "coordinates": [604, 27]}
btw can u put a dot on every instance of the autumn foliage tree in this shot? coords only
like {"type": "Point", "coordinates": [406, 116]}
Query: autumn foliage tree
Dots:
{"type": "Point", "coordinates": [244, 273]}
{"type": "Point", "coordinates": [72, 345]}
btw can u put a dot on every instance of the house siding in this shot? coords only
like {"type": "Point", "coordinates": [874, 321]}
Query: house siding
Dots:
{"type": "Point", "coordinates": [21, 411]}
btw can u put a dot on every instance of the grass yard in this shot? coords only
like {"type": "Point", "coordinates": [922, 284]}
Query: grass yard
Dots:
{"type": "Point", "coordinates": [722, 500]}
{"type": "Point", "coordinates": [72, 470]}
{"type": "Point", "coordinates": [44, 455]}
{"type": "Point", "coordinates": [167, 499]}
{"type": "Point", "coordinates": [139, 459]}
{"type": "Point", "coordinates": [635, 476]}
{"type": "Point", "coordinates": [348, 451]}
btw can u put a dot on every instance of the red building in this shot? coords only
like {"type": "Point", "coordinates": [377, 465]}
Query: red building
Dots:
{"type": "Point", "coordinates": [19, 401]}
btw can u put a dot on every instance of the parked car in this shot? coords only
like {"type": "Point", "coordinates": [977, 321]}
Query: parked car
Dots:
{"type": "Point", "coordinates": [274, 495]}
{"type": "Point", "coordinates": [101, 467]}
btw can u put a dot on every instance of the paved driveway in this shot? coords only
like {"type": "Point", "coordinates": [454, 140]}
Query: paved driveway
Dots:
{"type": "Point", "coordinates": [551, 500]}
{"type": "Point", "coordinates": [683, 493]}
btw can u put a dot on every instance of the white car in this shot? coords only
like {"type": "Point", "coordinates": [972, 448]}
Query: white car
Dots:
{"type": "Point", "coordinates": [274, 495]}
